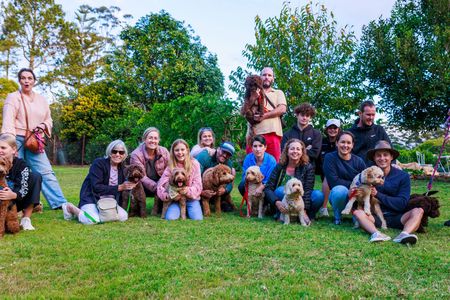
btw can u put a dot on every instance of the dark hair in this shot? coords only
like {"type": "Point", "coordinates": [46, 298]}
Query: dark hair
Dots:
{"type": "Point", "coordinates": [26, 70]}
{"type": "Point", "coordinates": [347, 133]}
{"type": "Point", "coordinates": [305, 109]}
{"type": "Point", "coordinates": [259, 138]}
{"type": "Point", "coordinates": [368, 103]}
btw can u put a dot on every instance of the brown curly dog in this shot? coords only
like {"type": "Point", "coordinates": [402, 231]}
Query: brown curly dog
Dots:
{"type": "Point", "coordinates": [430, 206]}
{"type": "Point", "coordinates": [214, 179]}
{"type": "Point", "coordinates": [253, 103]}
{"type": "Point", "coordinates": [136, 197]}
{"type": "Point", "coordinates": [9, 221]}
{"type": "Point", "coordinates": [177, 181]}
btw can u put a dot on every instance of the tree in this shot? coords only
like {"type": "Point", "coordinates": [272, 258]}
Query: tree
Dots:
{"type": "Point", "coordinates": [35, 26]}
{"type": "Point", "coordinates": [405, 59]}
{"type": "Point", "coordinates": [6, 86]}
{"type": "Point", "coordinates": [312, 60]}
{"type": "Point", "coordinates": [161, 60]}
{"type": "Point", "coordinates": [83, 46]}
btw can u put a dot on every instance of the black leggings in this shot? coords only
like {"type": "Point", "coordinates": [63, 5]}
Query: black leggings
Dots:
{"type": "Point", "coordinates": [34, 192]}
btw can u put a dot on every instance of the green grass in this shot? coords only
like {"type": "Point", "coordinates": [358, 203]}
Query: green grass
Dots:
{"type": "Point", "coordinates": [226, 257]}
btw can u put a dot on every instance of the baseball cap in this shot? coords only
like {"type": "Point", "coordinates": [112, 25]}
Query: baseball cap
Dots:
{"type": "Point", "coordinates": [334, 122]}
{"type": "Point", "coordinates": [227, 147]}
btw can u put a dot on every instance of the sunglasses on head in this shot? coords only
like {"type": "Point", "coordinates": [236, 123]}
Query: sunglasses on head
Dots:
{"type": "Point", "coordinates": [203, 129]}
{"type": "Point", "coordinates": [121, 152]}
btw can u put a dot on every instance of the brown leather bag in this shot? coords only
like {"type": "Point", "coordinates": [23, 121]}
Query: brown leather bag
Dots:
{"type": "Point", "coordinates": [32, 142]}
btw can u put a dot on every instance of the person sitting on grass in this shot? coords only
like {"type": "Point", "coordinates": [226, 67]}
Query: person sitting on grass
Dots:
{"type": "Point", "coordinates": [394, 196]}
{"type": "Point", "coordinates": [104, 180]}
{"type": "Point", "coordinates": [259, 157]}
{"type": "Point", "coordinates": [24, 186]}
{"type": "Point", "coordinates": [340, 167]}
{"type": "Point", "coordinates": [294, 162]}
{"type": "Point", "coordinates": [181, 158]}
{"type": "Point", "coordinates": [205, 141]}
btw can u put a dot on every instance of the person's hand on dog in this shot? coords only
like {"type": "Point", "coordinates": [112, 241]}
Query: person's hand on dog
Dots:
{"type": "Point", "coordinates": [7, 194]}
{"type": "Point", "coordinates": [221, 191]}
{"type": "Point", "coordinates": [281, 207]}
{"type": "Point", "coordinates": [126, 186]}
{"type": "Point", "coordinates": [373, 191]}
{"type": "Point", "coordinates": [208, 194]}
{"type": "Point", "coordinates": [258, 118]}
{"type": "Point", "coordinates": [183, 191]}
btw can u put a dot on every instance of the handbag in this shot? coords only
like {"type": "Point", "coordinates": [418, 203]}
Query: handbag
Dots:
{"type": "Point", "coordinates": [283, 122]}
{"type": "Point", "coordinates": [108, 210]}
{"type": "Point", "coordinates": [34, 142]}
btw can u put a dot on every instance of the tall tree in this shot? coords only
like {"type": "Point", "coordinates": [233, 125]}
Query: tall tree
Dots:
{"type": "Point", "coordinates": [35, 26]}
{"type": "Point", "coordinates": [405, 59]}
{"type": "Point", "coordinates": [161, 60]}
{"type": "Point", "coordinates": [83, 46]}
{"type": "Point", "coordinates": [311, 58]}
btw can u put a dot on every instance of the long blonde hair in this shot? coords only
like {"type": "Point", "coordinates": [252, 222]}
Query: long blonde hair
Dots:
{"type": "Point", "coordinates": [173, 160]}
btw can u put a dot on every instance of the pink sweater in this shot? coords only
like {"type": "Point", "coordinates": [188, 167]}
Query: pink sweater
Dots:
{"type": "Point", "coordinates": [194, 183]}
{"type": "Point", "coordinates": [140, 157]}
{"type": "Point", "coordinates": [14, 115]}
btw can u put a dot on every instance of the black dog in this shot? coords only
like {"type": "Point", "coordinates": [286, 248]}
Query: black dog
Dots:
{"type": "Point", "coordinates": [430, 206]}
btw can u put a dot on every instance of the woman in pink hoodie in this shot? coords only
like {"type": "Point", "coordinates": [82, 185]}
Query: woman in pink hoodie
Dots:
{"type": "Point", "coordinates": [180, 158]}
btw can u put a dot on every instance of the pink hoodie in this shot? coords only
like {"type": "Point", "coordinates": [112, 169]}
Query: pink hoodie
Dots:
{"type": "Point", "coordinates": [195, 186]}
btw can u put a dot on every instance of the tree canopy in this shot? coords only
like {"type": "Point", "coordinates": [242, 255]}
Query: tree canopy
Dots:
{"type": "Point", "coordinates": [405, 59]}
{"type": "Point", "coordinates": [161, 60]}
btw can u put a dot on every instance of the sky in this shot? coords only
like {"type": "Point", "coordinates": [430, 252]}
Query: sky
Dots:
{"type": "Point", "coordinates": [226, 26]}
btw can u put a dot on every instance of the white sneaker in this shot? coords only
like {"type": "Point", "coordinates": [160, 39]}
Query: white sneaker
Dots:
{"type": "Point", "coordinates": [379, 237]}
{"type": "Point", "coordinates": [25, 223]}
{"type": "Point", "coordinates": [323, 212]}
{"type": "Point", "coordinates": [67, 215]}
{"type": "Point", "coordinates": [406, 238]}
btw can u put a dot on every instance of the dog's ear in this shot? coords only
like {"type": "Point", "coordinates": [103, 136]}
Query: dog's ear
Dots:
{"type": "Point", "coordinates": [287, 188]}
{"type": "Point", "coordinates": [259, 176]}
{"type": "Point", "coordinates": [216, 175]}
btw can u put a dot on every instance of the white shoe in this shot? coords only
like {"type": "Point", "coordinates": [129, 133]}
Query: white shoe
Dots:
{"type": "Point", "coordinates": [323, 212]}
{"type": "Point", "coordinates": [67, 215]}
{"type": "Point", "coordinates": [379, 237]}
{"type": "Point", "coordinates": [25, 223]}
{"type": "Point", "coordinates": [405, 238]}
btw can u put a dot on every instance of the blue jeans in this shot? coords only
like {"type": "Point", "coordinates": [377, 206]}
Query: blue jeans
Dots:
{"type": "Point", "coordinates": [193, 208]}
{"type": "Point", "coordinates": [316, 200]}
{"type": "Point", "coordinates": [38, 162]}
{"type": "Point", "coordinates": [338, 199]}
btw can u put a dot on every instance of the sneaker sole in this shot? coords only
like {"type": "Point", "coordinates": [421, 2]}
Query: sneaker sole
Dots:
{"type": "Point", "coordinates": [409, 240]}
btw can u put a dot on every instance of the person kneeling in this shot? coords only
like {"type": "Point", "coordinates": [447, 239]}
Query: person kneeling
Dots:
{"type": "Point", "coordinates": [394, 197]}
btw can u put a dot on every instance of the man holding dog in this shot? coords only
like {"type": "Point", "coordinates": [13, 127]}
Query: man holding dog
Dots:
{"type": "Point", "coordinates": [366, 132]}
{"type": "Point", "coordinates": [222, 156]}
{"type": "Point", "coordinates": [269, 124]}
{"type": "Point", "coordinates": [394, 196]}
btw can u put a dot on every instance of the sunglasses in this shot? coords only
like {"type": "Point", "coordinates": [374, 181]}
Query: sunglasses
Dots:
{"type": "Point", "coordinates": [203, 129]}
{"type": "Point", "coordinates": [121, 152]}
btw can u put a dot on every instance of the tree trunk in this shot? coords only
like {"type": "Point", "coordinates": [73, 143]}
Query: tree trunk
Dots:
{"type": "Point", "coordinates": [83, 149]}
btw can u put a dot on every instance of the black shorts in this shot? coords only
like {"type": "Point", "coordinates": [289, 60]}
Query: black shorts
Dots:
{"type": "Point", "coordinates": [392, 220]}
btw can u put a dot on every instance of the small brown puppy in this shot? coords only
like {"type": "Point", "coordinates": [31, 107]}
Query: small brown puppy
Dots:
{"type": "Point", "coordinates": [9, 221]}
{"type": "Point", "coordinates": [138, 203]}
{"type": "Point", "coordinates": [430, 206]}
{"type": "Point", "coordinates": [213, 179]}
{"type": "Point", "coordinates": [178, 180]}
{"type": "Point", "coordinates": [361, 186]}
{"type": "Point", "coordinates": [253, 181]}
{"type": "Point", "coordinates": [293, 200]}
{"type": "Point", "coordinates": [253, 103]}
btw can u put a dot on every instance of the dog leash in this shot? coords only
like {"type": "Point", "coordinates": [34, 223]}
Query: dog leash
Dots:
{"type": "Point", "coordinates": [446, 137]}
{"type": "Point", "coordinates": [245, 200]}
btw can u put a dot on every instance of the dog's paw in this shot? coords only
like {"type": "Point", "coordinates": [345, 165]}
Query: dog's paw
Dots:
{"type": "Point", "coordinates": [368, 212]}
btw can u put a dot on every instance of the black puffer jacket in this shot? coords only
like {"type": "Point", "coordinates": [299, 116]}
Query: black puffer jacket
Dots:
{"type": "Point", "coordinates": [304, 173]}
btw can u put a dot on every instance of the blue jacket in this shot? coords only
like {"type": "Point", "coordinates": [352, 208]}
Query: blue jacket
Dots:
{"type": "Point", "coordinates": [365, 139]}
{"type": "Point", "coordinates": [96, 183]}
{"type": "Point", "coordinates": [266, 167]}
{"type": "Point", "coordinates": [395, 192]}
{"type": "Point", "coordinates": [341, 172]}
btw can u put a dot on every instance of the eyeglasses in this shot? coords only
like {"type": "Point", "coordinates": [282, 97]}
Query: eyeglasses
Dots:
{"type": "Point", "coordinates": [121, 152]}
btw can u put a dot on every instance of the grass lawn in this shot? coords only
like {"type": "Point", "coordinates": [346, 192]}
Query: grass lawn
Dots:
{"type": "Point", "coordinates": [226, 257]}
